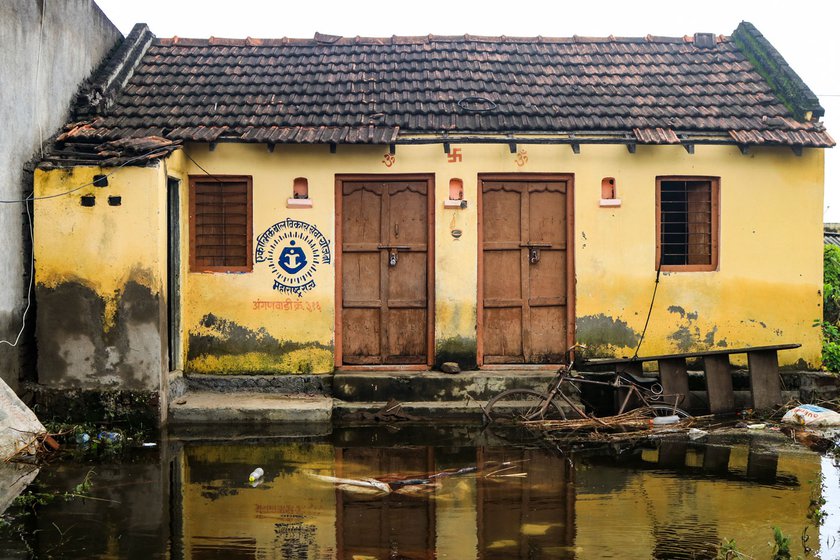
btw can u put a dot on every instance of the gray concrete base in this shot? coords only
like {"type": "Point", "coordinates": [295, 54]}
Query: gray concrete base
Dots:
{"type": "Point", "coordinates": [205, 407]}
{"type": "Point", "coordinates": [319, 401]}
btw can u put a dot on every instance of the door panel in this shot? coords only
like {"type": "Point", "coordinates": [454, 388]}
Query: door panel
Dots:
{"type": "Point", "coordinates": [361, 335]}
{"type": "Point", "coordinates": [385, 230]}
{"type": "Point", "coordinates": [525, 269]}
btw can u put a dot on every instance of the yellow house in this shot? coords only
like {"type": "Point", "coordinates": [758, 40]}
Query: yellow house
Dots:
{"type": "Point", "coordinates": [300, 205]}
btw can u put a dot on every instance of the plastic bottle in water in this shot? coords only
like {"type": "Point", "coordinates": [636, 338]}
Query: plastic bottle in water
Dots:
{"type": "Point", "coordinates": [109, 437]}
{"type": "Point", "coordinates": [256, 475]}
{"type": "Point", "coordinates": [663, 420]}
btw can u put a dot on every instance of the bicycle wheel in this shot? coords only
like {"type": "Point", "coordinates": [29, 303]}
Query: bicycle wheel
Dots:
{"type": "Point", "coordinates": [666, 410]}
{"type": "Point", "coordinates": [521, 405]}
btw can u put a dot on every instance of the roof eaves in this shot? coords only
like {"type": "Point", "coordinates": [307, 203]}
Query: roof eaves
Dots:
{"type": "Point", "coordinates": [786, 83]}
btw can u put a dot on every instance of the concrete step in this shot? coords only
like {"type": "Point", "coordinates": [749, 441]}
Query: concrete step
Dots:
{"type": "Point", "coordinates": [425, 386]}
{"type": "Point", "coordinates": [468, 409]}
{"type": "Point", "coordinates": [303, 384]}
{"type": "Point", "coordinates": [209, 407]}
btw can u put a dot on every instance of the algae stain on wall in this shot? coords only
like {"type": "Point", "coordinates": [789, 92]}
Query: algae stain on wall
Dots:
{"type": "Point", "coordinates": [603, 335]}
{"type": "Point", "coordinates": [687, 334]}
{"type": "Point", "coordinates": [221, 346]}
{"type": "Point", "coordinates": [79, 348]}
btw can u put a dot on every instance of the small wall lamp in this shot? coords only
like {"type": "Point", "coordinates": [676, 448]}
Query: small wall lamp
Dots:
{"type": "Point", "coordinates": [300, 194]}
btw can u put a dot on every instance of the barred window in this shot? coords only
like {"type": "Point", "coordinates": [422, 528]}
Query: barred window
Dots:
{"type": "Point", "coordinates": [687, 223]}
{"type": "Point", "coordinates": [220, 223]}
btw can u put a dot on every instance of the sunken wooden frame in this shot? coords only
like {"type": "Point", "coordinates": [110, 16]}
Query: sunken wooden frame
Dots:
{"type": "Point", "coordinates": [248, 180]}
{"type": "Point", "coordinates": [429, 178]}
{"type": "Point", "coordinates": [715, 229]}
{"type": "Point", "coordinates": [570, 260]}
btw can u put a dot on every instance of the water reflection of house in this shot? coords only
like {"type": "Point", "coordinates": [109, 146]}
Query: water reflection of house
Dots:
{"type": "Point", "coordinates": [283, 206]}
{"type": "Point", "coordinates": [676, 499]}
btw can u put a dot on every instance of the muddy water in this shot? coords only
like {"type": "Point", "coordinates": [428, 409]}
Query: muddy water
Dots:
{"type": "Point", "coordinates": [190, 498]}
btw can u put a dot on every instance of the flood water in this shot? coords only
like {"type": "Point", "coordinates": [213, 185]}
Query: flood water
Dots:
{"type": "Point", "coordinates": [190, 497]}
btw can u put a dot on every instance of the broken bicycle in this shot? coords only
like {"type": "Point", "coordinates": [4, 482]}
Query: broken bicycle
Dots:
{"type": "Point", "coordinates": [555, 403]}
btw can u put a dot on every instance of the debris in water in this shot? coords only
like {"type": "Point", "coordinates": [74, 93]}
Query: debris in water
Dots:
{"type": "Point", "coordinates": [256, 475]}
{"type": "Point", "coordinates": [811, 415]}
{"type": "Point", "coordinates": [697, 433]}
{"type": "Point", "coordinates": [21, 433]}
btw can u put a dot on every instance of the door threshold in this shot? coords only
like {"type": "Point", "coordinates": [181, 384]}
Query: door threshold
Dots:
{"type": "Point", "coordinates": [381, 367]}
{"type": "Point", "coordinates": [521, 367]}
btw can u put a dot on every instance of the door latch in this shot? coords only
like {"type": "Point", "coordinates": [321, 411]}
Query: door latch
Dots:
{"type": "Point", "coordinates": [533, 255]}
{"type": "Point", "coordinates": [392, 257]}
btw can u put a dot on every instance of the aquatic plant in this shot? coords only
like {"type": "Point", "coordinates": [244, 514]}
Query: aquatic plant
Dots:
{"type": "Point", "coordinates": [781, 545]}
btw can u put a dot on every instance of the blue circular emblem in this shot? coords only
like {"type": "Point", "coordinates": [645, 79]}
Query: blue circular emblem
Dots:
{"type": "Point", "coordinates": [293, 250]}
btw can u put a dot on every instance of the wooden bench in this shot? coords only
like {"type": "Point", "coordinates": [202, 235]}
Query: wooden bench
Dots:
{"type": "Point", "coordinates": [763, 361]}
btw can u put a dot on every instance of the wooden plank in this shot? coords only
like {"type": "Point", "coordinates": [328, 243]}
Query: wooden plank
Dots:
{"type": "Point", "coordinates": [728, 351]}
{"type": "Point", "coordinates": [633, 368]}
{"type": "Point", "coordinates": [719, 384]}
{"type": "Point", "coordinates": [764, 379]}
{"type": "Point", "coordinates": [674, 376]}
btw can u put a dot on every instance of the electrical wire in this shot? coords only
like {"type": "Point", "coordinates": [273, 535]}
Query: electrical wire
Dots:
{"type": "Point", "coordinates": [199, 166]}
{"type": "Point", "coordinates": [31, 281]}
{"type": "Point", "coordinates": [650, 309]}
{"type": "Point", "coordinates": [156, 151]}
{"type": "Point", "coordinates": [26, 202]}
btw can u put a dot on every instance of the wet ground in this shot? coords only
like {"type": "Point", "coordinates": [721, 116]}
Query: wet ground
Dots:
{"type": "Point", "coordinates": [471, 493]}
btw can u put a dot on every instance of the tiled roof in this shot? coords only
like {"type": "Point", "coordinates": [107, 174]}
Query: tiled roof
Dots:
{"type": "Point", "coordinates": [358, 90]}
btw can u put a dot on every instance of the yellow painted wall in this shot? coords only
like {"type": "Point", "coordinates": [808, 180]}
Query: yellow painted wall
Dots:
{"type": "Point", "coordinates": [767, 289]}
{"type": "Point", "coordinates": [100, 277]}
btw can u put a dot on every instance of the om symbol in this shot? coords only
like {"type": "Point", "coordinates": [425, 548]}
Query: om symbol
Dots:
{"type": "Point", "coordinates": [521, 157]}
{"type": "Point", "coordinates": [389, 160]}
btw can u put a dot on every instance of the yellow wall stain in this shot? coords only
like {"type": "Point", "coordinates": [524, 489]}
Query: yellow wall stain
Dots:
{"type": "Point", "coordinates": [101, 247]}
{"type": "Point", "coordinates": [767, 289]}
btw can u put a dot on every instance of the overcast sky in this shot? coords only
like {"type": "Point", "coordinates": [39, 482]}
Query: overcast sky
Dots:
{"type": "Point", "coordinates": [805, 32]}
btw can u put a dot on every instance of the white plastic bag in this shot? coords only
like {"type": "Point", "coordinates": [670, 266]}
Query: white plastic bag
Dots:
{"type": "Point", "coordinates": [19, 427]}
{"type": "Point", "coordinates": [811, 415]}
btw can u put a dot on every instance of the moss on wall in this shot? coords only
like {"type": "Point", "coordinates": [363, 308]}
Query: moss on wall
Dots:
{"type": "Point", "coordinates": [221, 346]}
{"type": "Point", "coordinates": [457, 349]}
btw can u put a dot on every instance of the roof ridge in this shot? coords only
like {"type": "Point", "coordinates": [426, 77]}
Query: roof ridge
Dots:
{"type": "Point", "coordinates": [324, 39]}
{"type": "Point", "coordinates": [772, 66]}
{"type": "Point", "coordinates": [114, 73]}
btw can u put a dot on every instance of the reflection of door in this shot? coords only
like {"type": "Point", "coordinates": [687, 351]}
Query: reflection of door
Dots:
{"type": "Point", "coordinates": [384, 270]}
{"type": "Point", "coordinates": [375, 526]}
{"type": "Point", "coordinates": [530, 516]}
{"type": "Point", "coordinates": [525, 270]}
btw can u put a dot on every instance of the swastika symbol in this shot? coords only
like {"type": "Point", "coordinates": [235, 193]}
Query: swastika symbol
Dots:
{"type": "Point", "coordinates": [454, 155]}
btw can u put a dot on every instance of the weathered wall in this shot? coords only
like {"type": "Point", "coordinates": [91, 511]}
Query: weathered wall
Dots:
{"type": "Point", "coordinates": [99, 280]}
{"type": "Point", "coordinates": [49, 48]}
{"type": "Point", "coordinates": [767, 288]}
{"type": "Point", "coordinates": [766, 291]}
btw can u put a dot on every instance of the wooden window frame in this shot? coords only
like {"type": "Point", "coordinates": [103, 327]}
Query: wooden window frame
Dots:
{"type": "Point", "coordinates": [714, 183]}
{"type": "Point", "coordinates": [248, 180]}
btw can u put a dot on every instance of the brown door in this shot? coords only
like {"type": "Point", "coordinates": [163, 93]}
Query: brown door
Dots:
{"type": "Point", "coordinates": [384, 270]}
{"type": "Point", "coordinates": [525, 271]}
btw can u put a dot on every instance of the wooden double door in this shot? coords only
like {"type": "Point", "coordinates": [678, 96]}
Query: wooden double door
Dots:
{"type": "Point", "coordinates": [385, 232]}
{"type": "Point", "coordinates": [526, 275]}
